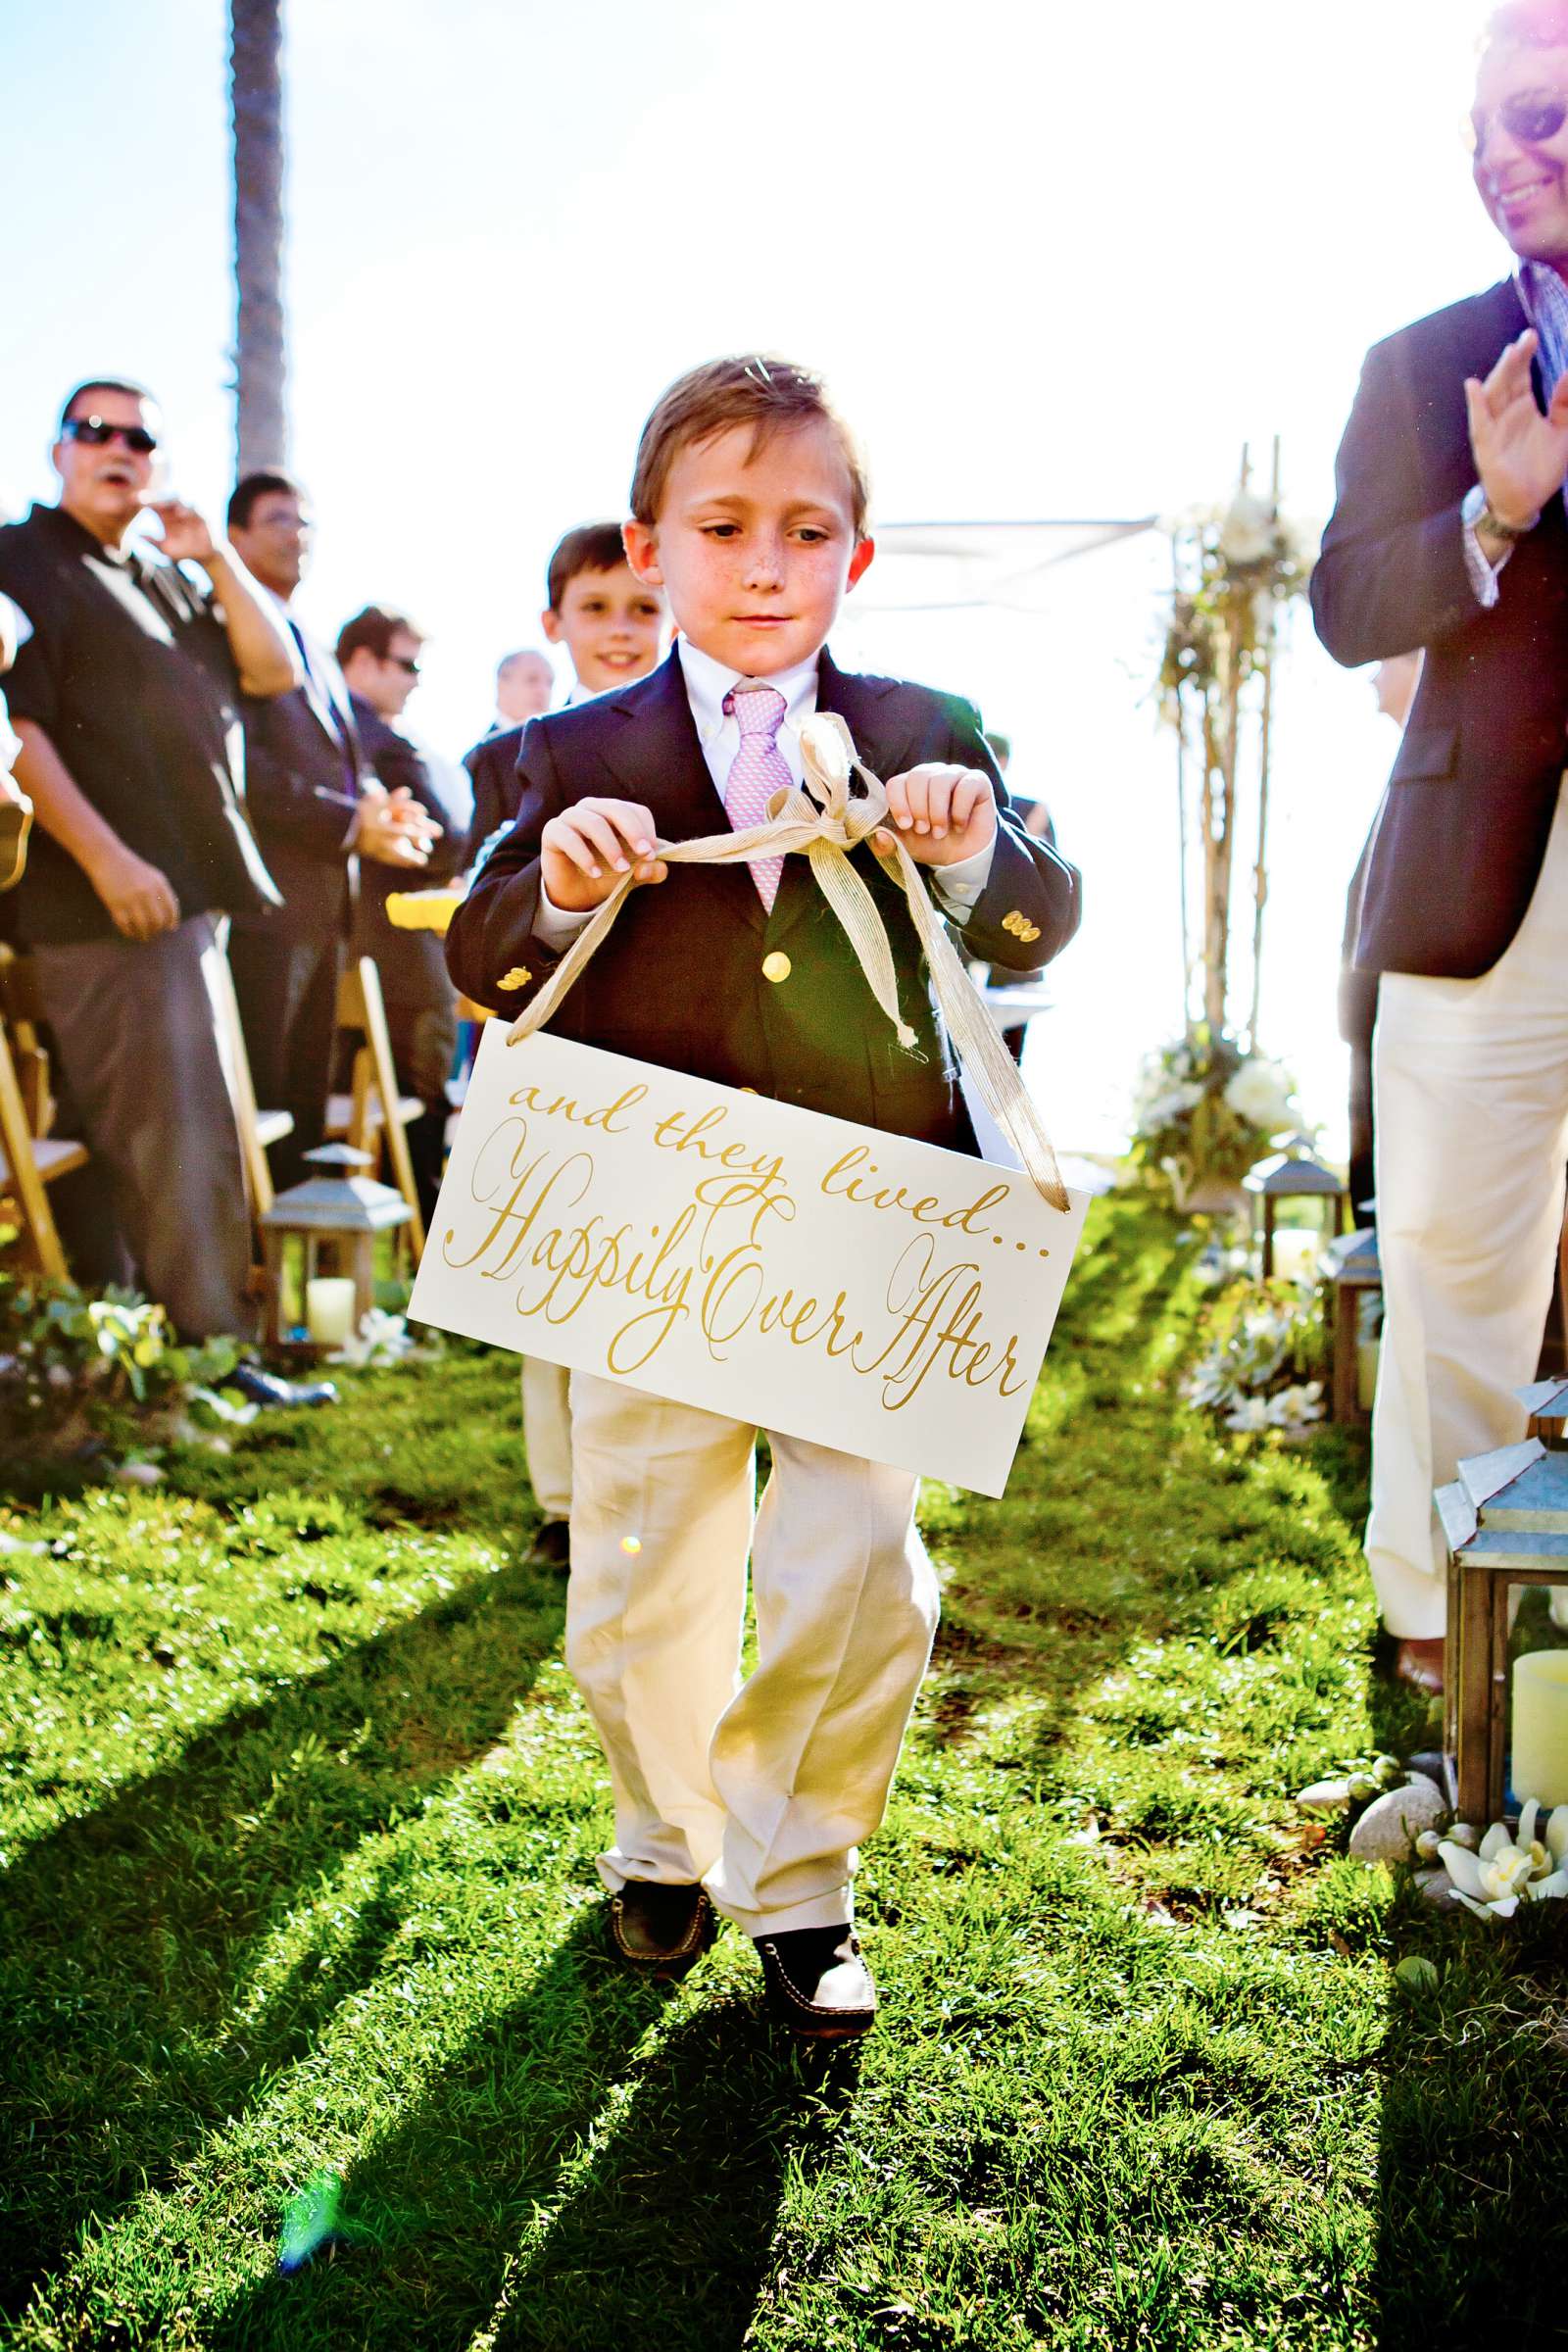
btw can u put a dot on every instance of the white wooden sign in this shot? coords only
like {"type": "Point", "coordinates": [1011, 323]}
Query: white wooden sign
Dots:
{"type": "Point", "coordinates": [881, 1296]}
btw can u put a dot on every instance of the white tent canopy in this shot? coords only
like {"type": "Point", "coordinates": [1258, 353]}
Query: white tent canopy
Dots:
{"type": "Point", "coordinates": [945, 567]}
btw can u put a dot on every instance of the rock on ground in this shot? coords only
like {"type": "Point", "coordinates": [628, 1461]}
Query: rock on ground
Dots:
{"type": "Point", "coordinates": [1392, 1822]}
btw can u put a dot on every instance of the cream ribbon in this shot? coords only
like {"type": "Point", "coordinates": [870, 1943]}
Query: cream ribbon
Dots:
{"type": "Point", "coordinates": [826, 834]}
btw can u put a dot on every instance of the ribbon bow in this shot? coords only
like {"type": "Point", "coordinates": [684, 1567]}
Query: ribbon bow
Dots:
{"type": "Point", "coordinates": [825, 824]}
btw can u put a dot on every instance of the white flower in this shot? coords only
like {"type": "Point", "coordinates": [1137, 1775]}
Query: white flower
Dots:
{"type": "Point", "coordinates": [1294, 1410]}
{"type": "Point", "coordinates": [381, 1339]}
{"type": "Point", "coordinates": [1504, 1871]}
{"type": "Point", "coordinates": [1165, 1108]}
{"type": "Point", "coordinates": [1262, 1093]}
{"type": "Point", "coordinates": [1250, 1417]}
{"type": "Point", "coordinates": [1248, 533]}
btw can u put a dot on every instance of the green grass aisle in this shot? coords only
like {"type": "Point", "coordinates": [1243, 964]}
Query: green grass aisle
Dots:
{"type": "Point", "coordinates": [299, 1813]}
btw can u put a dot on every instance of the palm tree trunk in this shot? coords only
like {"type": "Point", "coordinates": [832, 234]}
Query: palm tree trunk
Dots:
{"type": "Point", "coordinates": [256, 88]}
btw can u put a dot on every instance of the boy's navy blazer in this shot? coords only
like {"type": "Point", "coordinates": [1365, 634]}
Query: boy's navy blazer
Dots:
{"type": "Point", "coordinates": [1460, 835]}
{"type": "Point", "coordinates": [697, 975]}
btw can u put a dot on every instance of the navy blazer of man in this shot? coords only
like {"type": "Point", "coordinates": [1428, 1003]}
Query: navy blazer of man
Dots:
{"type": "Point", "coordinates": [304, 770]}
{"type": "Point", "coordinates": [697, 975]}
{"type": "Point", "coordinates": [1462, 829]}
{"type": "Point", "coordinates": [492, 766]}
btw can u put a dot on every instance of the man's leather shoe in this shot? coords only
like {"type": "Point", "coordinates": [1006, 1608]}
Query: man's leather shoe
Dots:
{"type": "Point", "coordinates": [551, 1546]}
{"type": "Point", "coordinates": [267, 1390]}
{"type": "Point", "coordinates": [662, 1928]}
{"type": "Point", "coordinates": [817, 1983]}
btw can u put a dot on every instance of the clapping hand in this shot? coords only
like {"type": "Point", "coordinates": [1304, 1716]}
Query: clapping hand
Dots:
{"type": "Point", "coordinates": [1520, 455]}
{"type": "Point", "coordinates": [941, 814]}
{"type": "Point", "coordinates": [392, 828]}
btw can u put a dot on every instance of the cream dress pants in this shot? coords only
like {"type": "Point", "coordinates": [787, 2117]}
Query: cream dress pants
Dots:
{"type": "Point", "coordinates": [547, 1435]}
{"type": "Point", "coordinates": [762, 1789]}
{"type": "Point", "coordinates": [1471, 1087]}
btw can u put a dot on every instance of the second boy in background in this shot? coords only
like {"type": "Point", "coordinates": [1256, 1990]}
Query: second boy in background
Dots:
{"type": "Point", "coordinates": [612, 627]}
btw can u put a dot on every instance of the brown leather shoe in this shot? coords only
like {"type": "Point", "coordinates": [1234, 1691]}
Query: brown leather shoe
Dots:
{"type": "Point", "coordinates": [817, 1983]}
{"type": "Point", "coordinates": [551, 1546]}
{"type": "Point", "coordinates": [662, 1928]}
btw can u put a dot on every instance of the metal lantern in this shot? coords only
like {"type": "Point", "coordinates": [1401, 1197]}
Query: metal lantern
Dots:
{"type": "Point", "coordinates": [318, 1240]}
{"type": "Point", "coordinates": [1356, 1286]}
{"type": "Point", "coordinates": [1295, 1175]}
{"type": "Point", "coordinates": [1547, 1403]}
{"type": "Point", "coordinates": [1505, 1518]}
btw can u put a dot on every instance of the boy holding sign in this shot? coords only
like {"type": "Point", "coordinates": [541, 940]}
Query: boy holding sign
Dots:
{"type": "Point", "coordinates": [749, 513]}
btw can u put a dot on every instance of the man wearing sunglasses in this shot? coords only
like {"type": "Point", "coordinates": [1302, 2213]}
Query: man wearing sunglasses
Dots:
{"type": "Point", "coordinates": [378, 652]}
{"type": "Point", "coordinates": [126, 700]}
{"type": "Point", "coordinates": [1449, 532]}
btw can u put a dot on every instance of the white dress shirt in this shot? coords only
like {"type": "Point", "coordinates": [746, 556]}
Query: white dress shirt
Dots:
{"type": "Point", "coordinates": [709, 684]}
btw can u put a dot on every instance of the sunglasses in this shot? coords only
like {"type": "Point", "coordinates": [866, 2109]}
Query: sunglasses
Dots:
{"type": "Point", "coordinates": [95, 433]}
{"type": "Point", "coordinates": [1532, 118]}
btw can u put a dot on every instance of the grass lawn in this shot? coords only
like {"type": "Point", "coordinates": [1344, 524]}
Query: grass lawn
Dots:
{"type": "Point", "coordinates": [299, 1813]}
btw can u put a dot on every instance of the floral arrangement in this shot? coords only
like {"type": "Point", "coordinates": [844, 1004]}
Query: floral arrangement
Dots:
{"type": "Point", "coordinates": [1203, 1107]}
{"type": "Point", "coordinates": [69, 1364]}
{"type": "Point", "coordinates": [1491, 1876]}
{"type": "Point", "coordinates": [1237, 569]}
{"type": "Point", "coordinates": [1246, 560]}
{"type": "Point", "coordinates": [1267, 1341]}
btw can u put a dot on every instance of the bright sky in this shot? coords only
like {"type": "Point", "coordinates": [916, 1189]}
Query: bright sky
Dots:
{"type": "Point", "coordinates": [1054, 261]}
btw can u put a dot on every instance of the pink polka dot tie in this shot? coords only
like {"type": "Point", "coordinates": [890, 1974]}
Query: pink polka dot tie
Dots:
{"type": "Point", "coordinates": [756, 771]}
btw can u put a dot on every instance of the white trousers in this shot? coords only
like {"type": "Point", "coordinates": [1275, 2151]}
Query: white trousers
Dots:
{"type": "Point", "coordinates": [547, 1435]}
{"type": "Point", "coordinates": [761, 1788]}
{"type": "Point", "coordinates": [1471, 1091]}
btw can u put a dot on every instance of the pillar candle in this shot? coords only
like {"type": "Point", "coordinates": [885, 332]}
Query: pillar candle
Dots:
{"type": "Point", "coordinates": [1367, 1353]}
{"type": "Point", "coordinates": [1296, 1253]}
{"type": "Point", "coordinates": [329, 1309]}
{"type": "Point", "coordinates": [1539, 1766]}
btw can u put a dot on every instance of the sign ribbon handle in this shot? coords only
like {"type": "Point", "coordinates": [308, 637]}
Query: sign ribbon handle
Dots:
{"type": "Point", "coordinates": [824, 825]}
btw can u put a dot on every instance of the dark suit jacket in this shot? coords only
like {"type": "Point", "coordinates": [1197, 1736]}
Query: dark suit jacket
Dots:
{"type": "Point", "coordinates": [681, 979]}
{"type": "Point", "coordinates": [1460, 835]}
{"type": "Point", "coordinates": [411, 966]}
{"type": "Point", "coordinates": [492, 766]}
{"type": "Point", "coordinates": [302, 791]}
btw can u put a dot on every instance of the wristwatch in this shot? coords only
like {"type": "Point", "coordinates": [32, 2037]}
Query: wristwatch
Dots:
{"type": "Point", "coordinates": [1479, 516]}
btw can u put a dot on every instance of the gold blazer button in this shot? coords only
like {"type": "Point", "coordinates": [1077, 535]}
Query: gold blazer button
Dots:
{"type": "Point", "coordinates": [777, 966]}
{"type": "Point", "coordinates": [518, 977]}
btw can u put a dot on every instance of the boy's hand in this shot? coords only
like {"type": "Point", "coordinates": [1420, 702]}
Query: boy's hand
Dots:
{"type": "Point", "coordinates": [585, 852]}
{"type": "Point", "coordinates": [943, 814]}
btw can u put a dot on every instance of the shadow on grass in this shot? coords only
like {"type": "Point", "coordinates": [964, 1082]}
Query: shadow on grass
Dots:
{"type": "Point", "coordinates": [1473, 2168]}
{"type": "Point", "coordinates": [559, 2186]}
{"type": "Point", "coordinates": [129, 1937]}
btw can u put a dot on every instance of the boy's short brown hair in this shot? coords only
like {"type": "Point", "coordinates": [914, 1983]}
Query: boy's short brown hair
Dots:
{"type": "Point", "coordinates": [770, 394]}
{"type": "Point", "coordinates": [592, 547]}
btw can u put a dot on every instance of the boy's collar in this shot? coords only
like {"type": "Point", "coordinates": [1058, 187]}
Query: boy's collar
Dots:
{"type": "Point", "coordinates": [709, 683]}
